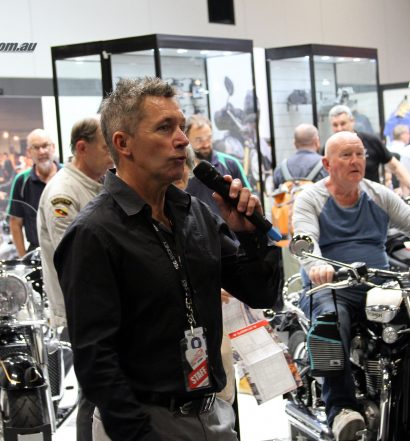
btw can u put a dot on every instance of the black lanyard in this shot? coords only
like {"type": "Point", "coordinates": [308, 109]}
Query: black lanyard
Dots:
{"type": "Point", "coordinates": [177, 264]}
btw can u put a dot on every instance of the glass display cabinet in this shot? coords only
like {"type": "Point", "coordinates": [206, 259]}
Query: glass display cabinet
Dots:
{"type": "Point", "coordinates": [213, 76]}
{"type": "Point", "coordinates": [395, 107]}
{"type": "Point", "coordinates": [305, 82]}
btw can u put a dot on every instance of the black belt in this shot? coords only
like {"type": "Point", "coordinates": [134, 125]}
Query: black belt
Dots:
{"type": "Point", "coordinates": [183, 404]}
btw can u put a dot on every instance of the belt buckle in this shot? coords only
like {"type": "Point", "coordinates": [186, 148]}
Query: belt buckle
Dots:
{"type": "Point", "coordinates": [185, 409]}
{"type": "Point", "coordinates": [207, 403]}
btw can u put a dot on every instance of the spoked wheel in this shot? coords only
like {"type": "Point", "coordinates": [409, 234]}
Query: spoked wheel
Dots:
{"type": "Point", "coordinates": [297, 347]}
{"type": "Point", "coordinates": [291, 289]}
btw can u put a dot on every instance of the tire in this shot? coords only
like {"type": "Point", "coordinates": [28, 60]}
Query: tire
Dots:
{"type": "Point", "coordinates": [297, 347]}
{"type": "Point", "coordinates": [26, 409]}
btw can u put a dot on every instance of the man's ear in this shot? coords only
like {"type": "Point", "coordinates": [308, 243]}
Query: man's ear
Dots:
{"type": "Point", "coordinates": [325, 162]}
{"type": "Point", "coordinates": [121, 143]}
{"type": "Point", "coordinates": [80, 147]}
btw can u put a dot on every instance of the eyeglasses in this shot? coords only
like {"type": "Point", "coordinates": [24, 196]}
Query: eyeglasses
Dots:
{"type": "Point", "coordinates": [202, 139]}
{"type": "Point", "coordinates": [346, 156]}
{"type": "Point", "coordinates": [44, 146]}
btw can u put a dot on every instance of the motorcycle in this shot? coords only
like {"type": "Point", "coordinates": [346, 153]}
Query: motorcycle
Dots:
{"type": "Point", "coordinates": [240, 140]}
{"type": "Point", "coordinates": [33, 360]}
{"type": "Point", "coordinates": [379, 354]}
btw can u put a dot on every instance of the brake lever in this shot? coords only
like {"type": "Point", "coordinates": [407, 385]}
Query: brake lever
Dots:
{"type": "Point", "coordinates": [332, 285]}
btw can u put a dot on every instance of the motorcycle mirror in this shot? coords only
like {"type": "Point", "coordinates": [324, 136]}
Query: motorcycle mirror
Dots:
{"type": "Point", "coordinates": [301, 244]}
{"type": "Point", "coordinates": [229, 85]}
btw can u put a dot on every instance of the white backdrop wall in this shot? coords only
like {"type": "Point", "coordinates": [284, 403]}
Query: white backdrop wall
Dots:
{"type": "Point", "coordinates": [381, 24]}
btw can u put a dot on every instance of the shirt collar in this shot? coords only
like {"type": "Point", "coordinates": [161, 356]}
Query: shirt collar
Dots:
{"type": "Point", "coordinates": [131, 203]}
{"type": "Point", "coordinates": [214, 159]}
{"type": "Point", "coordinates": [88, 182]}
{"type": "Point", "coordinates": [302, 151]}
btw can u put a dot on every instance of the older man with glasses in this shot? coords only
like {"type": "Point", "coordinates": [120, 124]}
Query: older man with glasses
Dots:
{"type": "Point", "coordinates": [27, 188]}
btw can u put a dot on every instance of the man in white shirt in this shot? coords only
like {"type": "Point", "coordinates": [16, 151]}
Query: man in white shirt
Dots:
{"type": "Point", "coordinates": [64, 196]}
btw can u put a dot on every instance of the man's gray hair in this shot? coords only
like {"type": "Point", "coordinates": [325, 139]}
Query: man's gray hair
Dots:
{"type": "Point", "coordinates": [122, 109]}
{"type": "Point", "coordinates": [86, 129]}
{"type": "Point", "coordinates": [339, 110]}
{"type": "Point", "coordinates": [197, 121]}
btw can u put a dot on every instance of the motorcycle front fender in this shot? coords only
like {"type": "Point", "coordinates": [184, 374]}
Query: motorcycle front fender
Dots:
{"type": "Point", "coordinates": [20, 371]}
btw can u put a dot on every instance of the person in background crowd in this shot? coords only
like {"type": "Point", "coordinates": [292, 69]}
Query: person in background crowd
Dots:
{"type": "Point", "coordinates": [141, 269]}
{"type": "Point", "coordinates": [341, 119]}
{"type": "Point", "coordinates": [400, 144]}
{"type": "Point", "coordinates": [199, 133]}
{"type": "Point", "coordinates": [62, 199]}
{"type": "Point", "coordinates": [306, 158]}
{"type": "Point", "coordinates": [27, 188]}
{"type": "Point", "coordinates": [7, 174]}
{"type": "Point", "coordinates": [347, 217]}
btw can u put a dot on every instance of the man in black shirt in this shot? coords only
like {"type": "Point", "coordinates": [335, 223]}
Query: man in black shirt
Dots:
{"type": "Point", "coordinates": [141, 269]}
{"type": "Point", "coordinates": [341, 119]}
{"type": "Point", "coordinates": [27, 188]}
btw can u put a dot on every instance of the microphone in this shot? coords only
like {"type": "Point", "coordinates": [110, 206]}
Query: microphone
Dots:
{"type": "Point", "coordinates": [210, 176]}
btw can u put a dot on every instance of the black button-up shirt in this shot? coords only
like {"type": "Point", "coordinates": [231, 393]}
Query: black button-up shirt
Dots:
{"type": "Point", "coordinates": [125, 305]}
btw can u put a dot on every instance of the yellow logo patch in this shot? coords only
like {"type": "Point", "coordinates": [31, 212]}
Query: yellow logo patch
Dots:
{"type": "Point", "coordinates": [61, 212]}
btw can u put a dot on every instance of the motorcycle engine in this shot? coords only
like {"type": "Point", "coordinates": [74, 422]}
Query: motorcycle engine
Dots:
{"type": "Point", "coordinates": [357, 350]}
{"type": "Point", "coordinates": [364, 356]}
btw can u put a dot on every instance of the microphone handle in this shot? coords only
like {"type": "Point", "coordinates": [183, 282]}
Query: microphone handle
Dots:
{"type": "Point", "coordinates": [220, 186]}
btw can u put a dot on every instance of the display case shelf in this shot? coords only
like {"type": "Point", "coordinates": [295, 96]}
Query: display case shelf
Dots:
{"type": "Point", "coordinates": [306, 81]}
{"type": "Point", "coordinates": [213, 76]}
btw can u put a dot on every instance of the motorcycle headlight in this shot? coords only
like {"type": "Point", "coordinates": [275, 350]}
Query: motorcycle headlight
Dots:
{"type": "Point", "coordinates": [13, 294]}
{"type": "Point", "coordinates": [389, 335]}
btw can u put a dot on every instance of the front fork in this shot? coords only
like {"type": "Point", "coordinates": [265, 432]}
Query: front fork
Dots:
{"type": "Point", "coordinates": [389, 370]}
{"type": "Point", "coordinates": [39, 351]}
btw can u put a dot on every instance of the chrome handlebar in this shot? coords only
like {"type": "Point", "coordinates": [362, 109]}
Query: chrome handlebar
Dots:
{"type": "Point", "coordinates": [358, 272]}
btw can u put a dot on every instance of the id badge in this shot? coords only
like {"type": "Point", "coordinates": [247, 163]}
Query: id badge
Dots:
{"type": "Point", "coordinates": [195, 360]}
